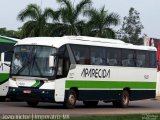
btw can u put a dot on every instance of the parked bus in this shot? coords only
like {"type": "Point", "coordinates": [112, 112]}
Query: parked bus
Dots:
{"type": "Point", "coordinates": [70, 68]}
{"type": "Point", "coordinates": [6, 46]}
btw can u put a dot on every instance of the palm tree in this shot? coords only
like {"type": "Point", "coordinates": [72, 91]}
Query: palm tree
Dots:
{"type": "Point", "coordinates": [100, 22]}
{"type": "Point", "coordinates": [37, 23]}
{"type": "Point", "coordinates": [71, 13]}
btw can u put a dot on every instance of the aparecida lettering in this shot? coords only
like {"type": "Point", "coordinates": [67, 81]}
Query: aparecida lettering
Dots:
{"type": "Point", "coordinates": [96, 73]}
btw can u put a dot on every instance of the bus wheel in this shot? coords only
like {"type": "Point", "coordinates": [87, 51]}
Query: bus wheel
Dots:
{"type": "Point", "coordinates": [90, 103]}
{"type": "Point", "coordinates": [70, 101]}
{"type": "Point", "coordinates": [32, 103]}
{"type": "Point", "coordinates": [123, 103]}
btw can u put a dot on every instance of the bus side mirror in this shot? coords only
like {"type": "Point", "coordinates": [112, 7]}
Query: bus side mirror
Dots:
{"type": "Point", "coordinates": [51, 61]}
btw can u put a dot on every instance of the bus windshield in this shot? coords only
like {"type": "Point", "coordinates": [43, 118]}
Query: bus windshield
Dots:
{"type": "Point", "coordinates": [32, 61]}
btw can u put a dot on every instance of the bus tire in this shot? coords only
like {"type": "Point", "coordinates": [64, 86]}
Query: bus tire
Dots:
{"type": "Point", "coordinates": [32, 103]}
{"type": "Point", "coordinates": [90, 103]}
{"type": "Point", "coordinates": [124, 100]}
{"type": "Point", "coordinates": [70, 101]}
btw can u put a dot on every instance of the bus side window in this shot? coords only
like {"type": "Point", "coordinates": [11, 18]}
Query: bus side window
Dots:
{"type": "Point", "coordinates": [98, 56]}
{"type": "Point", "coordinates": [63, 62]}
{"type": "Point", "coordinates": [81, 54]}
{"type": "Point", "coordinates": [153, 60]}
{"type": "Point", "coordinates": [113, 57]}
{"type": "Point", "coordinates": [60, 67]}
{"type": "Point", "coordinates": [128, 59]}
{"type": "Point", "coordinates": [60, 61]}
{"type": "Point", "coordinates": [140, 58]}
{"type": "Point", "coordinates": [66, 63]}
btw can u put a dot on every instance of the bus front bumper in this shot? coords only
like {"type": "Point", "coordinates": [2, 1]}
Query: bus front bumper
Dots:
{"type": "Point", "coordinates": [25, 94]}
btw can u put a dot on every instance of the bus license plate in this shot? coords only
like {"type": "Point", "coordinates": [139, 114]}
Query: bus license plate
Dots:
{"type": "Point", "coordinates": [27, 91]}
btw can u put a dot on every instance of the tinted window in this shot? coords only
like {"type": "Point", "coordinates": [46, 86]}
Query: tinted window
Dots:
{"type": "Point", "coordinates": [66, 63]}
{"type": "Point", "coordinates": [60, 70]}
{"type": "Point", "coordinates": [128, 58]}
{"type": "Point", "coordinates": [62, 49]}
{"type": "Point", "coordinates": [5, 47]}
{"type": "Point", "coordinates": [113, 56]}
{"type": "Point", "coordinates": [8, 56]}
{"type": "Point", "coordinates": [81, 54]}
{"type": "Point", "coordinates": [141, 58]}
{"type": "Point", "coordinates": [63, 64]}
{"type": "Point", "coordinates": [98, 56]}
{"type": "Point", "coordinates": [153, 59]}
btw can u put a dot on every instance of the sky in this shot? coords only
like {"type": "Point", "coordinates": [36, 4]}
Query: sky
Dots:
{"type": "Point", "coordinates": [148, 9]}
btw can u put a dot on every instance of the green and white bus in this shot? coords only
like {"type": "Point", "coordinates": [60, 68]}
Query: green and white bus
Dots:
{"type": "Point", "coordinates": [70, 68]}
{"type": "Point", "coordinates": [6, 46]}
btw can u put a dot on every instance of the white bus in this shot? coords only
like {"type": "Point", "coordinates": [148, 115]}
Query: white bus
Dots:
{"type": "Point", "coordinates": [6, 46]}
{"type": "Point", "coordinates": [70, 68]}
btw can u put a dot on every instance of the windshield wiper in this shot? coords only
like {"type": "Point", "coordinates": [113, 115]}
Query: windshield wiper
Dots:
{"type": "Point", "coordinates": [35, 62]}
{"type": "Point", "coordinates": [26, 64]}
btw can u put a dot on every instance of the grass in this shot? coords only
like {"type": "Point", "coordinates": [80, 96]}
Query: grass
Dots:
{"type": "Point", "coordinates": [119, 117]}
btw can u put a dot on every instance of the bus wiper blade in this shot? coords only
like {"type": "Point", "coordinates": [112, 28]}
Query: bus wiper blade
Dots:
{"type": "Point", "coordinates": [35, 62]}
{"type": "Point", "coordinates": [23, 67]}
{"type": "Point", "coordinates": [26, 64]}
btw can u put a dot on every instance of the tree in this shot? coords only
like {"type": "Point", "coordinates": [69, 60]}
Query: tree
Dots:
{"type": "Point", "coordinates": [37, 23]}
{"type": "Point", "coordinates": [71, 13]}
{"type": "Point", "coordinates": [131, 28]}
{"type": "Point", "coordinates": [100, 22]}
{"type": "Point", "coordinates": [9, 33]}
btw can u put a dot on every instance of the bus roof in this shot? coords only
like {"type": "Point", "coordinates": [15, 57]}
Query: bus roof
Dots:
{"type": "Point", "coordinates": [4, 39]}
{"type": "Point", "coordinates": [81, 40]}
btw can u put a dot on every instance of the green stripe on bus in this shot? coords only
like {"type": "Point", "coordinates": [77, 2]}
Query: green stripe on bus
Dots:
{"type": "Point", "coordinates": [110, 84]}
{"type": "Point", "coordinates": [3, 77]}
{"type": "Point", "coordinates": [3, 40]}
{"type": "Point", "coordinates": [36, 84]}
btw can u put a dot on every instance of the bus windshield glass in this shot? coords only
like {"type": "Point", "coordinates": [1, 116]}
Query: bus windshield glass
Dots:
{"type": "Point", "coordinates": [32, 61]}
